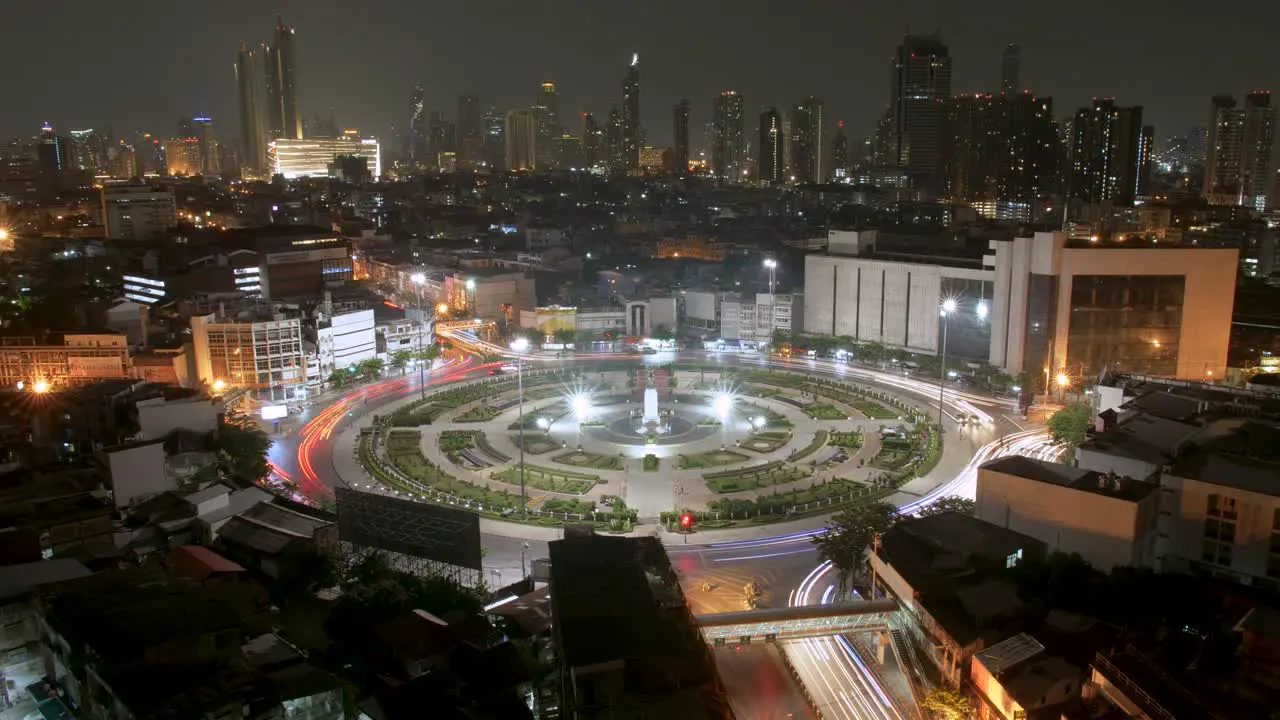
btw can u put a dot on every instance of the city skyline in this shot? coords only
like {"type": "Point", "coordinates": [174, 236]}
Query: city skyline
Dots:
{"type": "Point", "coordinates": [367, 78]}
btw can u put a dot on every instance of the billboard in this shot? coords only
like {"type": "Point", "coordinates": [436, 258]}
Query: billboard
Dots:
{"type": "Point", "coordinates": [431, 532]}
{"type": "Point", "coordinates": [274, 412]}
{"type": "Point", "coordinates": [95, 367]}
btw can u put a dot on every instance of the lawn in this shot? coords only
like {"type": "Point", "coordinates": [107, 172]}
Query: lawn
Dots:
{"type": "Point", "coordinates": [851, 440]}
{"type": "Point", "coordinates": [569, 483]}
{"type": "Point", "coordinates": [890, 458]}
{"type": "Point", "coordinates": [455, 440]}
{"type": "Point", "coordinates": [875, 410]}
{"type": "Point", "coordinates": [819, 439]}
{"type": "Point", "coordinates": [403, 452]}
{"type": "Point", "coordinates": [826, 412]}
{"type": "Point", "coordinates": [714, 458]}
{"type": "Point", "coordinates": [774, 473]}
{"type": "Point", "coordinates": [536, 444]}
{"type": "Point", "coordinates": [763, 442]}
{"type": "Point", "coordinates": [594, 461]}
{"type": "Point", "coordinates": [479, 413]}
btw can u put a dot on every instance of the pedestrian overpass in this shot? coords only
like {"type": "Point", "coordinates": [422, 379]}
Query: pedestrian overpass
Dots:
{"type": "Point", "coordinates": [771, 625]}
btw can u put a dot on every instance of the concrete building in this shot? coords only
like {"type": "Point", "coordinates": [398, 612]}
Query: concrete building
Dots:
{"type": "Point", "coordinates": [1037, 304]}
{"type": "Point", "coordinates": [316, 157]}
{"type": "Point", "coordinates": [644, 316]}
{"type": "Point", "coordinates": [1017, 679]}
{"type": "Point", "coordinates": [300, 265]}
{"type": "Point", "coordinates": [344, 340]}
{"type": "Point", "coordinates": [747, 321]}
{"type": "Point", "coordinates": [264, 355]}
{"type": "Point", "coordinates": [1110, 520]}
{"type": "Point", "coordinates": [78, 360]}
{"type": "Point", "coordinates": [157, 417]}
{"type": "Point", "coordinates": [521, 137]}
{"type": "Point", "coordinates": [137, 212]}
{"type": "Point", "coordinates": [490, 294]}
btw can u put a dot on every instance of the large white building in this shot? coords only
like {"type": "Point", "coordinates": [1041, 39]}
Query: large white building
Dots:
{"type": "Point", "coordinates": [1035, 304]}
{"type": "Point", "coordinates": [263, 355]}
{"type": "Point", "coordinates": [137, 212]}
{"type": "Point", "coordinates": [314, 157]}
{"type": "Point", "coordinates": [747, 321]}
{"type": "Point", "coordinates": [344, 340]}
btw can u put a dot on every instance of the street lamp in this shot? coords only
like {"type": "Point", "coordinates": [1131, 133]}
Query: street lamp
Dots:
{"type": "Point", "coordinates": [419, 280]}
{"type": "Point", "coordinates": [945, 310]}
{"type": "Point", "coordinates": [40, 387]}
{"type": "Point", "coordinates": [772, 264]}
{"type": "Point", "coordinates": [219, 385]}
{"type": "Point", "coordinates": [518, 346]}
{"type": "Point", "coordinates": [1063, 380]}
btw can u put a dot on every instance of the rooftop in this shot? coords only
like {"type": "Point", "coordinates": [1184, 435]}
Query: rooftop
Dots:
{"type": "Point", "coordinates": [1143, 437]}
{"type": "Point", "coordinates": [1110, 485]}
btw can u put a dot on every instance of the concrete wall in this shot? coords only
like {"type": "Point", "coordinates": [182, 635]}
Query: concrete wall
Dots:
{"type": "Point", "coordinates": [1105, 530]}
{"type": "Point", "coordinates": [894, 303]}
{"type": "Point", "coordinates": [137, 473]}
{"type": "Point", "coordinates": [1183, 527]}
{"type": "Point", "coordinates": [157, 418]}
{"type": "Point", "coordinates": [1207, 304]}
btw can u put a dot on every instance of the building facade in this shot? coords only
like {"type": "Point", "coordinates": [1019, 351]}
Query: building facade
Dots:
{"type": "Point", "coordinates": [316, 157]}
{"type": "Point", "coordinates": [137, 212]}
{"type": "Point", "coordinates": [265, 356]}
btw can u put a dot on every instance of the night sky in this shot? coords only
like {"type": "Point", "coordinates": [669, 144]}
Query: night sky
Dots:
{"type": "Point", "coordinates": [144, 64]}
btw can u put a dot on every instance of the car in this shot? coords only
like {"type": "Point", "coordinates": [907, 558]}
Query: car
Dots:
{"type": "Point", "coordinates": [650, 351]}
{"type": "Point", "coordinates": [493, 371]}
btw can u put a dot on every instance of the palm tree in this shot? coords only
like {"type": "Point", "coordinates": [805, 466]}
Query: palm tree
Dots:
{"type": "Point", "coordinates": [400, 359]}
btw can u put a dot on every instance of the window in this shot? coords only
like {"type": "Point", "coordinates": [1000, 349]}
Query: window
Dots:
{"type": "Point", "coordinates": [1219, 530]}
{"type": "Point", "coordinates": [1013, 559]}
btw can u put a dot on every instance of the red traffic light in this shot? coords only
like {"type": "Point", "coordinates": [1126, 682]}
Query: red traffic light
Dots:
{"type": "Point", "coordinates": [686, 521]}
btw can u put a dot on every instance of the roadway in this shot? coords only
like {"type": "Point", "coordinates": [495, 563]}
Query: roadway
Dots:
{"type": "Point", "coordinates": [785, 566]}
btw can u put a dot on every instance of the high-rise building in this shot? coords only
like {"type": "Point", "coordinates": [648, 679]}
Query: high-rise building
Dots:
{"type": "Point", "coordinates": [1031, 151]}
{"type": "Point", "coordinates": [547, 107]}
{"type": "Point", "coordinates": [417, 126]}
{"type": "Point", "coordinates": [282, 84]}
{"type": "Point", "coordinates": [494, 147]}
{"type": "Point", "coordinates": [1240, 154]}
{"type": "Point", "coordinates": [202, 131]}
{"type": "Point", "coordinates": [122, 162]}
{"type": "Point", "coordinates": [770, 163]}
{"type": "Point", "coordinates": [1106, 154]}
{"type": "Point", "coordinates": [53, 153]}
{"type": "Point", "coordinates": [592, 141]}
{"type": "Point", "coordinates": [921, 84]}
{"type": "Point", "coordinates": [251, 88]}
{"type": "Point", "coordinates": [728, 150]}
{"type": "Point", "coordinates": [613, 139]}
{"type": "Point", "coordinates": [1011, 69]}
{"type": "Point", "coordinates": [631, 132]}
{"type": "Point", "coordinates": [137, 212]}
{"type": "Point", "coordinates": [839, 152]}
{"type": "Point", "coordinates": [88, 150]}
{"type": "Point", "coordinates": [680, 128]}
{"type": "Point", "coordinates": [521, 135]}
{"type": "Point", "coordinates": [1000, 147]}
{"type": "Point", "coordinates": [971, 147]}
{"type": "Point", "coordinates": [316, 157]}
{"type": "Point", "coordinates": [470, 132]}
{"type": "Point", "coordinates": [182, 157]}
{"type": "Point", "coordinates": [806, 142]}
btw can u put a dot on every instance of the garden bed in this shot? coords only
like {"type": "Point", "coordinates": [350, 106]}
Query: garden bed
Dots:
{"type": "Point", "coordinates": [713, 458]}
{"type": "Point", "coordinates": [752, 478]}
{"type": "Point", "coordinates": [568, 483]}
{"type": "Point", "coordinates": [851, 440]}
{"type": "Point", "coordinates": [764, 442]}
{"type": "Point", "coordinates": [826, 412]}
{"type": "Point", "coordinates": [591, 460]}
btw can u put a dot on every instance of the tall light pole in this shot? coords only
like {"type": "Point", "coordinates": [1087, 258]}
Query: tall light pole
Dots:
{"type": "Point", "coordinates": [772, 264]}
{"type": "Point", "coordinates": [518, 346]}
{"type": "Point", "coordinates": [948, 306]}
{"type": "Point", "coordinates": [419, 280]}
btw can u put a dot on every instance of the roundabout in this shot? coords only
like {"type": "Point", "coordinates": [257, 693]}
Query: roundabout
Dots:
{"type": "Point", "coordinates": [638, 444]}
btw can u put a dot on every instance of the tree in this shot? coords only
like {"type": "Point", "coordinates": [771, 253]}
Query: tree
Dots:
{"type": "Point", "coordinates": [872, 352]}
{"type": "Point", "coordinates": [780, 338]}
{"type": "Point", "coordinates": [338, 378]}
{"type": "Point", "coordinates": [400, 359]}
{"type": "Point", "coordinates": [564, 336]}
{"type": "Point", "coordinates": [950, 503]}
{"type": "Point", "coordinates": [243, 446]}
{"type": "Point", "coordinates": [948, 704]}
{"type": "Point", "coordinates": [847, 536]}
{"type": "Point", "coordinates": [663, 334]}
{"type": "Point", "coordinates": [1071, 424]}
{"type": "Point", "coordinates": [431, 353]}
{"type": "Point", "coordinates": [369, 368]}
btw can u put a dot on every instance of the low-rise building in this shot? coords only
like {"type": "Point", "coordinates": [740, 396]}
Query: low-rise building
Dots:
{"type": "Point", "coordinates": [1110, 520]}
{"type": "Point", "coordinates": [78, 359]}
{"type": "Point", "coordinates": [1016, 679]}
{"type": "Point", "coordinates": [950, 575]}
{"type": "Point", "coordinates": [264, 355]}
{"type": "Point", "coordinates": [137, 212]}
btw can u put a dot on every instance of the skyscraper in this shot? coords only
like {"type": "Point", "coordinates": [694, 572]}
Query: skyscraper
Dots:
{"type": "Point", "coordinates": [494, 147]}
{"type": "Point", "coordinates": [728, 151]}
{"type": "Point", "coordinates": [839, 152]}
{"type": "Point", "coordinates": [1011, 69]}
{"type": "Point", "coordinates": [680, 128]}
{"type": "Point", "coordinates": [521, 135]}
{"type": "Point", "coordinates": [417, 127]}
{"type": "Point", "coordinates": [547, 107]}
{"type": "Point", "coordinates": [921, 84]}
{"type": "Point", "coordinates": [613, 139]}
{"type": "Point", "coordinates": [1239, 163]}
{"type": "Point", "coordinates": [806, 142]}
{"type": "Point", "coordinates": [470, 132]}
{"type": "Point", "coordinates": [251, 87]}
{"type": "Point", "coordinates": [631, 140]}
{"type": "Point", "coordinates": [202, 131]}
{"type": "Point", "coordinates": [1000, 147]}
{"type": "Point", "coordinates": [592, 141]}
{"type": "Point", "coordinates": [53, 152]}
{"type": "Point", "coordinates": [770, 162]}
{"type": "Point", "coordinates": [282, 87]}
{"type": "Point", "coordinates": [1106, 153]}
